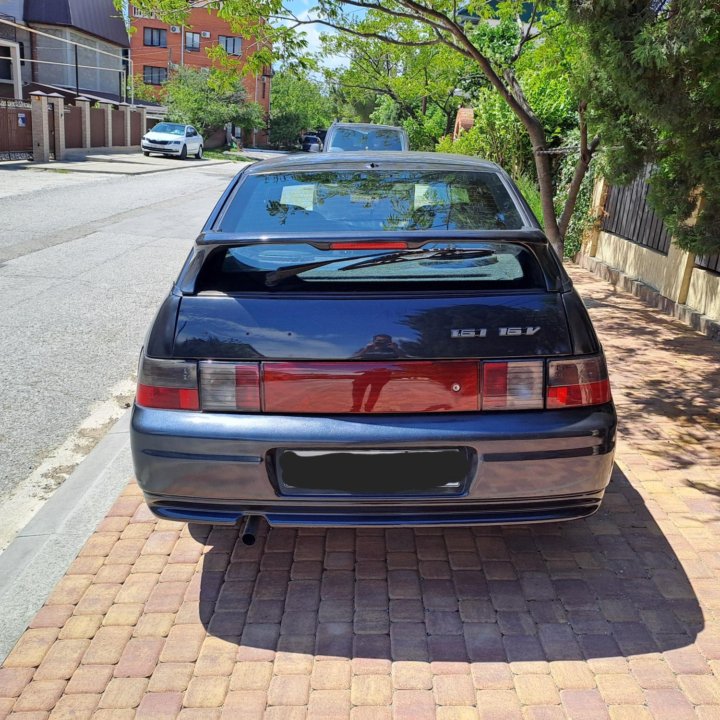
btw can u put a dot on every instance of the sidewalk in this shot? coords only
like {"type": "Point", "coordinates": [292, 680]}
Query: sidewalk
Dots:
{"type": "Point", "coordinates": [18, 177]}
{"type": "Point", "coordinates": [616, 616]}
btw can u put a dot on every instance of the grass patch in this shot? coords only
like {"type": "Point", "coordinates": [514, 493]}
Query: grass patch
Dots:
{"type": "Point", "coordinates": [220, 155]}
{"type": "Point", "coordinates": [531, 193]}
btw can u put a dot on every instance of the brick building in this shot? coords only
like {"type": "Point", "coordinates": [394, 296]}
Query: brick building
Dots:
{"type": "Point", "coordinates": [156, 47]}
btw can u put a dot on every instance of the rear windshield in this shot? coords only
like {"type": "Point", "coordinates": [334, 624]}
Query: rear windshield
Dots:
{"type": "Point", "coordinates": [354, 139]}
{"type": "Point", "coordinates": [475, 266]}
{"type": "Point", "coordinates": [338, 201]}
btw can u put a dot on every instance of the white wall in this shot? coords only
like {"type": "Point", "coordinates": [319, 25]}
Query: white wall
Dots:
{"type": "Point", "coordinates": [14, 8]}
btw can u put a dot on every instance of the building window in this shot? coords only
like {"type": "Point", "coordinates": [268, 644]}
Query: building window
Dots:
{"type": "Point", "coordinates": [192, 41]}
{"type": "Point", "coordinates": [154, 75]}
{"type": "Point", "coordinates": [264, 83]}
{"type": "Point", "coordinates": [155, 36]}
{"type": "Point", "coordinates": [232, 45]}
{"type": "Point", "coordinates": [5, 64]}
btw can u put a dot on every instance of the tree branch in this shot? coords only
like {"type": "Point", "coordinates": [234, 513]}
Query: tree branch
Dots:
{"type": "Point", "coordinates": [342, 28]}
{"type": "Point", "coordinates": [526, 35]}
{"type": "Point", "coordinates": [586, 153]}
{"type": "Point", "coordinates": [382, 9]}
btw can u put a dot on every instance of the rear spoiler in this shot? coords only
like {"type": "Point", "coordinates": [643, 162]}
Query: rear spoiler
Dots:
{"type": "Point", "coordinates": [556, 279]}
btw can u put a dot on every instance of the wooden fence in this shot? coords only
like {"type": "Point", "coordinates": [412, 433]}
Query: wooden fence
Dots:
{"type": "Point", "coordinates": [628, 215]}
{"type": "Point", "coordinates": [708, 262]}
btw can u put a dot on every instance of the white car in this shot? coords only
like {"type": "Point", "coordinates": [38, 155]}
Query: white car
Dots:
{"type": "Point", "coordinates": [173, 139]}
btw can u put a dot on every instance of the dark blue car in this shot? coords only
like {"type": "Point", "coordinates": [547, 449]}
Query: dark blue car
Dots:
{"type": "Point", "coordinates": [372, 339]}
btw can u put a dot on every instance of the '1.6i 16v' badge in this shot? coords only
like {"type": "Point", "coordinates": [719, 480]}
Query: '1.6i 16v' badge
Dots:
{"type": "Point", "coordinates": [483, 332]}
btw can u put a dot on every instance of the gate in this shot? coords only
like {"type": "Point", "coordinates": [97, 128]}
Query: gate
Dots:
{"type": "Point", "coordinates": [15, 130]}
{"type": "Point", "coordinates": [73, 127]}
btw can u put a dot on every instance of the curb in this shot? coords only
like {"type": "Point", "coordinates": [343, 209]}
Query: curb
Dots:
{"type": "Point", "coordinates": [709, 327]}
{"type": "Point", "coordinates": [42, 551]}
{"type": "Point", "coordinates": [127, 173]}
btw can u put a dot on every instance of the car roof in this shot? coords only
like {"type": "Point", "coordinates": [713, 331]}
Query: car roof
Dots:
{"type": "Point", "coordinates": [366, 126]}
{"type": "Point", "coordinates": [363, 160]}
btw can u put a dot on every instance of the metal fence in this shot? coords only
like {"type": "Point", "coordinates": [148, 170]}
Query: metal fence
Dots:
{"type": "Point", "coordinates": [628, 215]}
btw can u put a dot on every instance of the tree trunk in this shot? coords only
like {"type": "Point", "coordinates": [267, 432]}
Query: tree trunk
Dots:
{"type": "Point", "coordinates": [544, 175]}
{"type": "Point", "coordinates": [578, 176]}
{"type": "Point", "coordinates": [518, 103]}
{"type": "Point", "coordinates": [586, 153]}
{"type": "Point", "coordinates": [450, 121]}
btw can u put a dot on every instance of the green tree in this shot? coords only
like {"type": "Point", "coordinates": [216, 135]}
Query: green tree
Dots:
{"type": "Point", "coordinates": [433, 23]}
{"type": "Point", "coordinates": [655, 78]}
{"type": "Point", "coordinates": [296, 104]}
{"type": "Point", "coordinates": [551, 74]}
{"type": "Point", "coordinates": [409, 86]}
{"type": "Point", "coordinates": [143, 92]}
{"type": "Point", "coordinates": [210, 100]}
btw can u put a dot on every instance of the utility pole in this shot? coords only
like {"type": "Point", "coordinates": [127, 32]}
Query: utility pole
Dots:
{"type": "Point", "coordinates": [77, 72]}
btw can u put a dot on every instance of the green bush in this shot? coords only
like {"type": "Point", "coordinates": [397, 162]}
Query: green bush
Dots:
{"type": "Point", "coordinates": [529, 189]}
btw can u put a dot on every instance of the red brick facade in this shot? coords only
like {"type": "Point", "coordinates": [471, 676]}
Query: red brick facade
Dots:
{"type": "Point", "coordinates": [156, 47]}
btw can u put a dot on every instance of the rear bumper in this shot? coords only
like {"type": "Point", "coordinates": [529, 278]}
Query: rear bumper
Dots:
{"type": "Point", "coordinates": [528, 466]}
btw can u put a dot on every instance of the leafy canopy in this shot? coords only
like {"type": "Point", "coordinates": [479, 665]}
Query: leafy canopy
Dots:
{"type": "Point", "coordinates": [409, 85]}
{"type": "Point", "coordinates": [297, 104]}
{"type": "Point", "coordinates": [655, 76]}
{"type": "Point", "coordinates": [210, 100]}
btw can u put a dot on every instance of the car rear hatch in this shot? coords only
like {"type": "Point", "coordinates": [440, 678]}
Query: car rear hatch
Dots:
{"type": "Point", "coordinates": [439, 328]}
{"type": "Point", "coordinates": [462, 328]}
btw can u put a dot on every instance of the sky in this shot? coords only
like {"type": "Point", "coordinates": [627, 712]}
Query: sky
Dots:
{"type": "Point", "coordinates": [301, 8]}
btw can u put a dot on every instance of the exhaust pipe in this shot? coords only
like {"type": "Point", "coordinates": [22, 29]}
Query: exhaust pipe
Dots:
{"type": "Point", "coordinates": [250, 529]}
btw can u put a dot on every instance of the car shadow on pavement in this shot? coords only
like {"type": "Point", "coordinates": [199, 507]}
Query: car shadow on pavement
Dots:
{"type": "Point", "coordinates": [607, 586]}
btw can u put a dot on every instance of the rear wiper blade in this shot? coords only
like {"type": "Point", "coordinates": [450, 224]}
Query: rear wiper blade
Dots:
{"type": "Point", "coordinates": [277, 276]}
{"type": "Point", "coordinates": [411, 255]}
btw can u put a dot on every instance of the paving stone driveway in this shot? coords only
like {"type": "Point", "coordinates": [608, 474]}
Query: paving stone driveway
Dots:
{"type": "Point", "coordinates": [613, 616]}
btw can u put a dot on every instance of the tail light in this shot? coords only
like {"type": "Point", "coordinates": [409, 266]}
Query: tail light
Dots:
{"type": "Point", "coordinates": [420, 386]}
{"type": "Point", "coordinates": [230, 386]}
{"type": "Point", "coordinates": [167, 384]}
{"type": "Point", "coordinates": [572, 383]}
{"type": "Point", "coordinates": [515, 385]}
{"type": "Point", "coordinates": [367, 387]}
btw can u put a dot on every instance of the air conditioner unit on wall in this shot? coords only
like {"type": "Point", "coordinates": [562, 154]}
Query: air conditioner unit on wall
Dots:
{"type": "Point", "coordinates": [175, 29]}
{"type": "Point", "coordinates": [205, 34]}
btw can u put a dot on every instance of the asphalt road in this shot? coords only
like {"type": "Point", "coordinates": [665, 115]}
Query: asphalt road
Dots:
{"type": "Point", "coordinates": [84, 264]}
